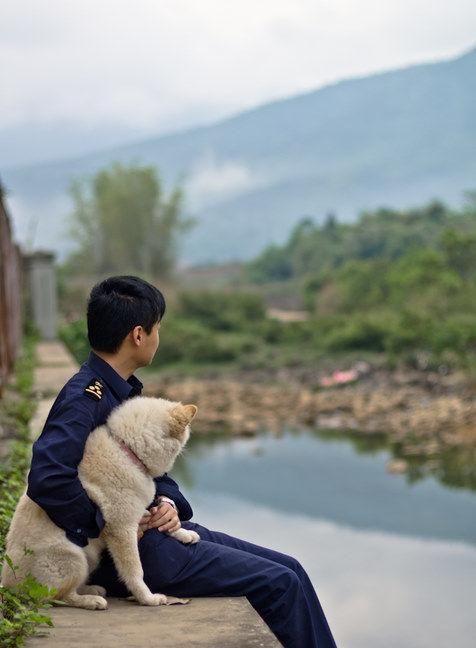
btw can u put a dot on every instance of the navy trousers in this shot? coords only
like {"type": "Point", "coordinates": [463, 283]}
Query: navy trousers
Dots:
{"type": "Point", "coordinates": [275, 584]}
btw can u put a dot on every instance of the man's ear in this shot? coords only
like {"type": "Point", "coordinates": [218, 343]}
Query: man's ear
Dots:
{"type": "Point", "coordinates": [137, 335]}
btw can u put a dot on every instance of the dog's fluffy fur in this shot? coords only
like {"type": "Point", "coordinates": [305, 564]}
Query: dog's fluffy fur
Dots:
{"type": "Point", "coordinates": [155, 430]}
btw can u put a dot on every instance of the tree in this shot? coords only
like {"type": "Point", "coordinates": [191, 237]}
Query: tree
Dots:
{"type": "Point", "coordinates": [460, 251]}
{"type": "Point", "coordinates": [122, 222]}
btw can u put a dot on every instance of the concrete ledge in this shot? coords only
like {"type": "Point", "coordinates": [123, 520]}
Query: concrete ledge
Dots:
{"type": "Point", "coordinates": [203, 623]}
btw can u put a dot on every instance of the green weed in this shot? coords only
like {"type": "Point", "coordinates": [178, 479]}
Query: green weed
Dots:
{"type": "Point", "coordinates": [20, 605]}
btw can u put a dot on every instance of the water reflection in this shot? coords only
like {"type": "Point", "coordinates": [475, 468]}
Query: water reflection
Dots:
{"type": "Point", "coordinates": [392, 556]}
{"type": "Point", "coordinates": [455, 467]}
{"type": "Point", "coordinates": [378, 589]}
{"type": "Point", "coordinates": [328, 480]}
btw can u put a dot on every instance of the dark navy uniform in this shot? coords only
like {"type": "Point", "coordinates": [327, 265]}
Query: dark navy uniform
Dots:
{"type": "Point", "coordinates": [219, 565]}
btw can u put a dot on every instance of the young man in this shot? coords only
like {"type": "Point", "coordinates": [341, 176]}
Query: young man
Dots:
{"type": "Point", "coordinates": [124, 317]}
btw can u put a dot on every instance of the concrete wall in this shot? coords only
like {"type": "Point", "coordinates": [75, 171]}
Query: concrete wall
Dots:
{"type": "Point", "coordinates": [10, 296]}
{"type": "Point", "coordinates": [41, 282]}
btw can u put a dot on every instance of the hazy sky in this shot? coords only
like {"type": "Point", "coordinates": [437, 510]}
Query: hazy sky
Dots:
{"type": "Point", "coordinates": [152, 65]}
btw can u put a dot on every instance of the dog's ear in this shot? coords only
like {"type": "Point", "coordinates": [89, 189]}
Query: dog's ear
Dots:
{"type": "Point", "coordinates": [180, 416]}
{"type": "Point", "coordinates": [184, 413]}
{"type": "Point", "coordinates": [190, 411]}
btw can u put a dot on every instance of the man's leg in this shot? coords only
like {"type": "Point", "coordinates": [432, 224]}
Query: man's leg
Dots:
{"type": "Point", "coordinates": [317, 613]}
{"type": "Point", "coordinates": [279, 590]}
{"type": "Point", "coordinates": [212, 569]}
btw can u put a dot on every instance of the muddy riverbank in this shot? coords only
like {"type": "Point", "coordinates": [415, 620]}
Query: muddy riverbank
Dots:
{"type": "Point", "coordinates": [423, 411]}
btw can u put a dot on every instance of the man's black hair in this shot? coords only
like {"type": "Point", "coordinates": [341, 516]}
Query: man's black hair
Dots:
{"type": "Point", "coordinates": [116, 305]}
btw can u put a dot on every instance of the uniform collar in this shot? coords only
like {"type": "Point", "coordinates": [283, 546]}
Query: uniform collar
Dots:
{"type": "Point", "coordinates": [122, 388]}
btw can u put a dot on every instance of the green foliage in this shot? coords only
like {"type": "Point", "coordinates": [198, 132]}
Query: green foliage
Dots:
{"type": "Point", "coordinates": [12, 483]}
{"type": "Point", "coordinates": [457, 333]}
{"type": "Point", "coordinates": [364, 332]}
{"type": "Point", "coordinates": [24, 367]}
{"type": "Point", "coordinates": [272, 264]}
{"type": "Point", "coordinates": [360, 284]}
{"type": "Point", "coordinates": [210, 327]}
{"type": "Point", "coordinates": [399, 282]}
{"type": "Point", "coordinates": [402, 283]}
{"type": "Point", "coordinates": [206, 327]}
{"type": "Point", "coordinates": [123, 223]}
{"type": "Point", "coordinates": [384, 234]}
{"type": "Point", "coordinates": [460, 251]}
{"type": "Point", "coordinates": [75, 337]}
{"type": "Point", "coordinates": [422, 277]}
{"type": "Point", "coordinates": [189, 341]}
{"type": "Point", "coordinates": [221, 311]}
{"type": "Point", "coordinates": [20, 605]}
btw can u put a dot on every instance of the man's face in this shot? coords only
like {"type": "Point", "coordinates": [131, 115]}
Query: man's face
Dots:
{"type": "Point", "coordinates": [150, 344]}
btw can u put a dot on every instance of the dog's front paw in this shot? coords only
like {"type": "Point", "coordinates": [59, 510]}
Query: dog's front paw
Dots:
{"type": "Point", "coordinates": [185, 536]}
{"type": "Point", "coordinates": [154, 599]}
{"type": "Point", "coordinates": [87, 601]}
{"type": "Point", "coordinates": [193, 537]}
{"type": "Point", "coordinates": [99, 603]}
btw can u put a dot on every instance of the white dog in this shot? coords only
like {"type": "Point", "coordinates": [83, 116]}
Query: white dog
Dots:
{"type": "Point", "coordinates": [141, 440]}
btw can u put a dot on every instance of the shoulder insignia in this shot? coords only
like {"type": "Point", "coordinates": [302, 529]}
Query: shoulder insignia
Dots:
{"type": "Point", "coordinates": [94, 390]}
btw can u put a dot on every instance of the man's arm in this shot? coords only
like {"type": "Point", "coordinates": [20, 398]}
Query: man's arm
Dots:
{"type": "Point", "coordinates": [165, 485]}
{"type": "Point", "coordinates": [53, 481]}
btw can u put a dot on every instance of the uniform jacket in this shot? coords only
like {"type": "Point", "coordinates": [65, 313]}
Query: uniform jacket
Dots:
{"type": "Point", "coordinates": [84, 403]}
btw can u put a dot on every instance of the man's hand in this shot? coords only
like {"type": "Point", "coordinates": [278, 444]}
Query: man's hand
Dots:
{"type": "Point", "coordinates": [164, 518]}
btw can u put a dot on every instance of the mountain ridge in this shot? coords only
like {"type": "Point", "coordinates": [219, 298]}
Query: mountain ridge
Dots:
{"type": "Point", "coordinates": [397, 137]}
{"type": "Point", "coordinates": [234, 116]}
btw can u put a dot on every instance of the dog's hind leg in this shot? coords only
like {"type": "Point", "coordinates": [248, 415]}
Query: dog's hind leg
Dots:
{"type": "Point", "coordinates": [93, 554]}
{"type": "Point", "coordinates": [122, 543]}
{"type": "Point", "coordinates": [86, 601]}
{"type": "Point", "coordinates": [66, 570]}
{"type": "Point", "coordinates": [98, 590]}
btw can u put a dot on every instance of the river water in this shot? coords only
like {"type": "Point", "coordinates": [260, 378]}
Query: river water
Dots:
{"type": "Point", "coordinates": [393, 562]}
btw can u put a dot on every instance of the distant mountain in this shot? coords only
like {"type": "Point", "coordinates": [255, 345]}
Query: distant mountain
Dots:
{"type": "Point", "coordinates": [32, 143]}
{"type": "Point", "coordinates": [398, 138]}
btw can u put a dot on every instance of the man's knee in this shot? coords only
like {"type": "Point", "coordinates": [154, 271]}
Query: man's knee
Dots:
{"type": "Point", "coordinates": [297, 567]}
{"type": "Point", "coordinates": [285, 581]}
{"type": "Point", "coordinates": [162, 558]}
{"type": "Point", "coordinates": [293, 564]}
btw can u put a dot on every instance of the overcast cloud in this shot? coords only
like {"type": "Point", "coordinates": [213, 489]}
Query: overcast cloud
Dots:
{"type": "Point", "coordinates": [151, 65]}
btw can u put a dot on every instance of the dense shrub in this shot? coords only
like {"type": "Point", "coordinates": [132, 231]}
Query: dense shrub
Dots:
{"type": "Point", "coordinates": [190, 341]}
{"type": "Point", "coordinates": [389, 234]}
{"type": "Point", "coordinates": [221, 311]}
{"type": "Point", "coordinates": [358, 333]}
{"type": "Point", "coordinates": [75, 337]}
{"type": "Point", "coordinates": [457, 333]}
